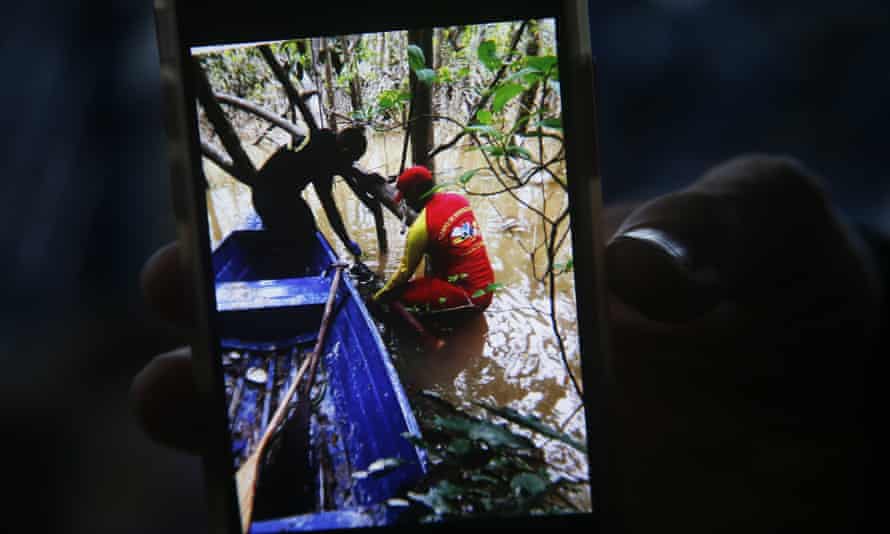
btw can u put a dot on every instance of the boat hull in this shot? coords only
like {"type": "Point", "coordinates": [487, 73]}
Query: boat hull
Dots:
{"type": "Point", "coordinates": [269, 300]}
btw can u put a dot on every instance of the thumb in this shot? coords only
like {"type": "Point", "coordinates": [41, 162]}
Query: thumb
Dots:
{"type": "Point", "coordinates": [756, 230]}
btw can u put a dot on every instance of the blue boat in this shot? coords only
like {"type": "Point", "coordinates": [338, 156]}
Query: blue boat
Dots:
{"type": "Point", "coordinates": [270, 299]}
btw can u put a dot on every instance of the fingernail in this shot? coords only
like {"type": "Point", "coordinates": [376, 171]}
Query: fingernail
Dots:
{"type": "Point", "coordinates": [660, 274]}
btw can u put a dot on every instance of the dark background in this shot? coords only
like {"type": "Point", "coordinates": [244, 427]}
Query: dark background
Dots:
{"type": "Point", "coordinates": [683, 85]}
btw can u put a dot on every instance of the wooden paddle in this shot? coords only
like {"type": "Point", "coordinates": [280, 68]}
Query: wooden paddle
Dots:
{"type": "Point", "coordinates": [247, 474]}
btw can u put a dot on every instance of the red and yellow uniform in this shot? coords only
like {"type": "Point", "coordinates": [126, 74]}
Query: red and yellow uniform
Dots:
{"type": "Point", "coordinates": [447, 230]}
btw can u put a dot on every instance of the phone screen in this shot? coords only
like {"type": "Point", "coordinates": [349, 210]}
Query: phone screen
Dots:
{"type": "Point", "coordinates": [389, 226]}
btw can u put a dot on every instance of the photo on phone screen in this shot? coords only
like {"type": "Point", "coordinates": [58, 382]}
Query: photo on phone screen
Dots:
{"type": "Point", "coordinates": [390, 236]}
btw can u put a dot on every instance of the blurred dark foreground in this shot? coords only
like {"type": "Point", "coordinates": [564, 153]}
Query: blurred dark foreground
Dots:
{"type": "Point", "coordinates": [684, 85]}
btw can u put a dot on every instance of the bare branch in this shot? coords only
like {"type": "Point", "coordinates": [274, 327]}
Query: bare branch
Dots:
{"type": "Point", "coordinates": [263, 113]}
{"type": "Point", "coordinates": [292, 95]}
{"type": "Point", "coordinates": [216, 156]}
{"type": "Point", "coordinates": [246, 172]}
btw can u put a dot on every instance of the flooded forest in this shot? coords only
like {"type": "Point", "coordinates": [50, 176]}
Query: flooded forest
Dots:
{"type": "Point", "coordinates": [480, 107]}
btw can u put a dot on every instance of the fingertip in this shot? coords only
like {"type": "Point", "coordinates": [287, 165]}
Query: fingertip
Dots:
{"type": "Point", "coordinates": [165, 285]}
{"type": "Point", "coordinates": [165, 401]}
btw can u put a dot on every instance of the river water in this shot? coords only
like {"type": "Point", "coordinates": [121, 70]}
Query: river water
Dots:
{"type": "Point", "coordinates": [509, 357]}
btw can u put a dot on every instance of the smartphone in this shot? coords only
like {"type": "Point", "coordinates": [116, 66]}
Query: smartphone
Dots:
{"type": "Point", "coordinates": [391, 213]}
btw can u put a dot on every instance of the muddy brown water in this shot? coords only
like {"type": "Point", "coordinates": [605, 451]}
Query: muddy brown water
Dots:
{"type": "Point", "coordinates": [507, 357]}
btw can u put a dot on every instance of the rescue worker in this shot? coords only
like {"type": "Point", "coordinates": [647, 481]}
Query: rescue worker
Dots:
{"type": "Point", "coordinates": [447, 230]}
{"type": "Point", "coordinates": [276, 189]}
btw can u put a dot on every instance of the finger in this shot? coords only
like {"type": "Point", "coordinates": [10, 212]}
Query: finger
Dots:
{"type": "Point", "coordinates": [739, 280]}
{"type": "Point", "coordinates": [749, 230]}
{"type": "Point", "coordinates": [166, 402]}
{"type": "Point", "coordinates": [166, 286]}
{"type": "Point", "coordinates": [743, 311]}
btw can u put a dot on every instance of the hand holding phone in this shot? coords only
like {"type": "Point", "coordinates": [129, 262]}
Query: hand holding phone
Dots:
{"type": "Point", "coordinates": [656, 364]}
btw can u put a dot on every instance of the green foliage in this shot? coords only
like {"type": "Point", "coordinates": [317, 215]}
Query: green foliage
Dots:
{"type": "Point", "coordinates": [546, 65]}
{"type": "Point", "coordinates": [416, 59]}
{"type": "Point", "coordinates": [484, 116]}
{"type": "Point", "coordinates": [427, 76]}
{"type": "Point", "coordinates": [485, 129]}
{"type": "Point", "coordinates": [238, 71]}
{"type": "Point", "coordinates": [503, 94]}
{"type": "Point", "coordinates": [391, 98]}
{"type": "Point", "coordinates": [467, 176]}
{"type": "Point", "coordinates": [564, 267]}
{"type": "Point", "coordinates": [519, 152]}
{"type": "Point", "coordinates": [487, 52]}
{"type": "Point", "coordinates": [554, 123]}
{"type": "Point", "coordinates": [533, 423]}
{"type": "Point", "coordinates": [478, 468]}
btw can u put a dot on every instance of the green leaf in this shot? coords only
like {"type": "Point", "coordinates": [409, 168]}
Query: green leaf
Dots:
{"type": "Point", "coordinates": [482, 129]}
{"type": "Point", "coordinates": [533, 423]}
{"type": "Point", "coordinates": [478, 293]}
{"type": "Point", "coordinates": [436, 188]}
{"type": "Point", "coordinates": [477, 430]}
{"type": "Point", "coordinates": [493, 287]}
{"type": "Point", "coordinates": [504, 94]}
{"type": "Point", "coordinates": [427, 76]}
{"type": "Point", "coordinates": [528, 484]}
{"type": "Point", "coordinates": [460, 447]}
{"type": "Point", "coordinates": [527, 75]}
{"type": "Point", "coordinates": [493, 150]}
{"type": "Point", "coordinates": [483, 116]}
{"type": "Point", "coordinates": [416, 60]}
{"type": "Point", "coordinates": [437, 497]}
{"type": "Point", "coordinates": [519, 151]}
{"type": "Point", "coordinates": [541, 63]}
{"type": "Point", "coordinates": [488, 55]}
{"type": "Point", "coordinates": [555, 123]}
{"type": "Point", "coordinates": [466, 177]}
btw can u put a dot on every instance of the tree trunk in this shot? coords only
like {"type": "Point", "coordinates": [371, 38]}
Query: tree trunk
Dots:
{"type": "Point", "coordinates": [329, 82]}
{"type": "Point", "coordinates": [351, 64]}
{"type": "Point", "coordinates": [421, 122]}
{"type": "Point", "coordinates": [383, 62]}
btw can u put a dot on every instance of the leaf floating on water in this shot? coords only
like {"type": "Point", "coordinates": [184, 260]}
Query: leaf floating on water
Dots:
{"type": "Point", "coordinates": [359, 475]}
{"type": "Point", "coordinates": [257, 375]}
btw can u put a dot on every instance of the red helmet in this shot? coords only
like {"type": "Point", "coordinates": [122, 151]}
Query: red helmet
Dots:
{"type": "Point", "coordinates": [412, 177]}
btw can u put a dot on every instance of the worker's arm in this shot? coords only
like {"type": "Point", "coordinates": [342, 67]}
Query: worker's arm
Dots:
{"type": "Point", "coordinates": [324, 189]}
{"type": "Point", "coordinates": [415, 246]}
